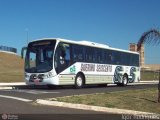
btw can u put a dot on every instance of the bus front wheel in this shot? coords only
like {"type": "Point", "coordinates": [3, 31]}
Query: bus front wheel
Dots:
{"type": "Point", "coordinates": [79, 81]}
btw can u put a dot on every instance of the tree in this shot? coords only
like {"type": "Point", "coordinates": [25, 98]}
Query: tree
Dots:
{"type": "Point", "coordinates": [151, 37]}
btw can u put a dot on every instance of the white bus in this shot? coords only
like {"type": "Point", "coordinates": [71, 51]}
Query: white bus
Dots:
{"type": "Point", "coordinates": [64, 62]}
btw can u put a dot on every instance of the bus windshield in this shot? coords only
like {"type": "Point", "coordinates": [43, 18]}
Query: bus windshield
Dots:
{"type": "Point", "coordinates": [39, 56]}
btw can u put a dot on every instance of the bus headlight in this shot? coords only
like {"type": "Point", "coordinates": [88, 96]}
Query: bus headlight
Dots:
{"type": "Point", "coordinates": [50, 74]}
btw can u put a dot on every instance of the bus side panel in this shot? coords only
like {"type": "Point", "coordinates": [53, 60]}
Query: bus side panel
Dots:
{"type": "Point", "coordinates": [65, 79]}
{"type": "Point", "coordinates": [97, 79]}
{"type": "Point", "coordinates": [92, 72]}
{"type": "Point", "coordinates": [98, 73]}
{"type": "Point", "coordinates": [132, 72]}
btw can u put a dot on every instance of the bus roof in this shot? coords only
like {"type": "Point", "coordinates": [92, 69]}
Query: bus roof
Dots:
{"type": "Point", "coordinates": [87, 43]}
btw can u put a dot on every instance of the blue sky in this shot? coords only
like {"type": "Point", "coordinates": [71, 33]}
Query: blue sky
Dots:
{"type": "Point", "coordinates": [113, 22]}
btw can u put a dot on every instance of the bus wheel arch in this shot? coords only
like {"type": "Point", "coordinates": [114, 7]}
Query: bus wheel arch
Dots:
{"type": "Point", "coordinates": [79, 80]}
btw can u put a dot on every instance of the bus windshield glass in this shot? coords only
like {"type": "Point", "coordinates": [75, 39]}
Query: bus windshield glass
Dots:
{"type": "Point", "coordinates": [39, 56]}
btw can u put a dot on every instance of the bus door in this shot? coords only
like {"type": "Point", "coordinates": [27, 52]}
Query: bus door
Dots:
{"type": "Point", "coordinates": [62, 57]}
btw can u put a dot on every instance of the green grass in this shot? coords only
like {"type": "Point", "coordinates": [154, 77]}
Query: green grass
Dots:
{"type": "Point", "coordinates": [140, 100]}
{"type": "Point", "coordinates": [149, 75]}
{"type": "Point", "coordinates": [11, 68]}
{"type": "Point", "coordinates": [12, 77]}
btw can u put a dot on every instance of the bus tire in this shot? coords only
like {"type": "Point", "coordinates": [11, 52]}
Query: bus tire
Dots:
{"type": "Point", "coordinates": [79, 81]}
{"type": "Point", "coordinates": [51, 86]}
{"type": "Point", "coordinates": [125, 80]}
{"type": "Point", "coordinates": [102, 85]}
{"type": "Point", "coordinates": [119, 84]}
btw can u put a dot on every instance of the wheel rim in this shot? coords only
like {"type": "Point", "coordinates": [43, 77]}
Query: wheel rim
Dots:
{"type": "Point", "coordinates": [79, 81]}
{"type": "Point", "coordinates": [125, 81]}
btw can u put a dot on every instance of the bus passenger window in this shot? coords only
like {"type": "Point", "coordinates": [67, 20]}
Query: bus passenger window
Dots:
{"type": "Point", "coordinates": [62, 56]}
{"type": "Point", "coordinates": [67, 56]}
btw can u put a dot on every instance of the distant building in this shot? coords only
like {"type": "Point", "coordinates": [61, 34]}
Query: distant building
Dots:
{"type": "Point", "coordinates": [8, 49]}
{"type": "Point", "coordinates": [133, 47]}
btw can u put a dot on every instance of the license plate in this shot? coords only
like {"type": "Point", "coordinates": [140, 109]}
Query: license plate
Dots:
{"type": "Point", "coordinates": [36, 81]}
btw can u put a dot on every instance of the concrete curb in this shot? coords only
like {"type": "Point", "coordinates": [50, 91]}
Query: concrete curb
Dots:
{"type": "Point", "coordinates": [8, 86]}
{"type": "Point", "coordinates": [94, 108]}
{"type": "Point", "coordinates": [151, 81]}
{"type": "Point", "coordinates": [12, 84]}
{"type": "Point", "coordinates": [143, 83]}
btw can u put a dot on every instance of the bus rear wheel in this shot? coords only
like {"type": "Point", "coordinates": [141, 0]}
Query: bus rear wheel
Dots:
{"type": "Point", "coordinates": [79, 81]}
{"type": "Point", "coordinates": [125, 80]}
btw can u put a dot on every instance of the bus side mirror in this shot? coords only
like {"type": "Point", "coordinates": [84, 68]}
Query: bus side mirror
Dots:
{"type": "Point", "coordinates": [22, 51]}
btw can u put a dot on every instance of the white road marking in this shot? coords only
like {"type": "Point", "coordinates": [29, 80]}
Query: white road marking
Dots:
{"type": "Point", "coordinates": [16, 98]}
{"type": "Point", "coordinates": [32, 91]}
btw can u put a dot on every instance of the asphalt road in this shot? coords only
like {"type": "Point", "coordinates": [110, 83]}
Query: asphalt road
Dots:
{"type": "Point", "coordinates": [21, 102]}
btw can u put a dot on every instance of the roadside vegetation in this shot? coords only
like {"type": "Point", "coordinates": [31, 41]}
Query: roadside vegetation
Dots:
{"type": "Point", "coordinates": [140, 100]}
{"type": "Point", "coordinates": [11, 68]}
{"type": "Point", "coordinates": [149, 75]}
